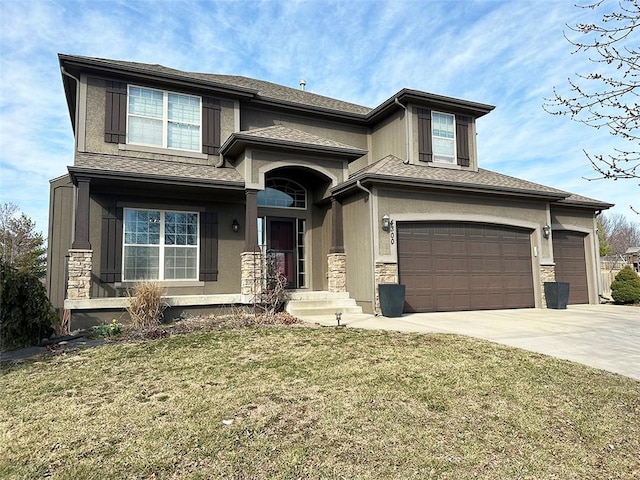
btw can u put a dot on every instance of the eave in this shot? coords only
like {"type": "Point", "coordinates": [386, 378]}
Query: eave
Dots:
{"type": "Point", "coordinates": [384, 180]}
{"type": "Point", "coordinates": [239, 141]}
{"type": "Point", "coordinates": [76, 172]}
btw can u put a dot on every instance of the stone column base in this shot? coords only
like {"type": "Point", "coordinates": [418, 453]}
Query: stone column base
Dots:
{"type": "Point", "coordinates": [547, 274]}
{"type": "Point", "coordinates": [79, 274]}
{"type": "Point", "coordinates": [385, 273]}
{"type": "Point", "coordinates": [337, 263]}
{"type": "Point", "coordinates": [251, 275]}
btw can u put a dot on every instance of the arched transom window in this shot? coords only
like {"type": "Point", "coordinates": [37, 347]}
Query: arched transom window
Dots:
{"type": "Point", "coordinates": [283, 193]}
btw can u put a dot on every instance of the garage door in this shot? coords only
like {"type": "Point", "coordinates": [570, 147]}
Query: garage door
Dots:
{"type": "Point", "coordinates": [464, 266]}
{"type": "Point", "coordinates": [571, 264]}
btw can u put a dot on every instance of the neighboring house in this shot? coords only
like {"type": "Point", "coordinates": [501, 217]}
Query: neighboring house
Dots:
{"type": "Point", "coordinates": [632, 256]}
{"type": "Point", "coordinates": [188, 178]}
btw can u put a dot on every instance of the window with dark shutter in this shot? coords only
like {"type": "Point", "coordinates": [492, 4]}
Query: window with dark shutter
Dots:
{"type": "Point", "coordinates": [210, 126]}
{"type": "Point", "coordinates": [425, 146]}
{"type": "Point", "coordinates": [115, 124]}
{"type": "Point", "coordinates": [111, 246]}
{"type": "Point", "coordinates": [462, 140]}
{"type": "Point", "coordinates": [208, 247]}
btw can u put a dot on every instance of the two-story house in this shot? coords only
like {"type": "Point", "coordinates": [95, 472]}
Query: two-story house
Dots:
{"type": "Point", "coordinates": [189, 178]}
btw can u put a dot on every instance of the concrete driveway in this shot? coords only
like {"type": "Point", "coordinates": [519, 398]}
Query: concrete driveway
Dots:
{"type": "Point", "coordinates": [601, 336]}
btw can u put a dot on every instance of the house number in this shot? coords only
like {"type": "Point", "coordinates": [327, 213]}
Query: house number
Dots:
{"type": "Point", "coordinates": [392, 232]}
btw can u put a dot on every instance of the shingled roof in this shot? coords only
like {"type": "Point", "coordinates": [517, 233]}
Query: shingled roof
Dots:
{"type": "Point", "coordinates": [258, 89]}
{"type": "Point", "coordinates": [287, 137]}
{"type": "Point", "coordinates": [393, 169]}
{"type": "Point", "coordinates": [115, 166]}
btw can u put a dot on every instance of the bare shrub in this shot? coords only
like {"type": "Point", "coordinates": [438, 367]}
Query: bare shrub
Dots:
{"type": "Point", "coordinates": [146, 306]}
{"type": "Point", "coordinates": [274, 295]}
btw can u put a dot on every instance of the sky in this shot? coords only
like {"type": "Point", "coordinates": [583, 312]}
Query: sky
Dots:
{"type": "Point", "coordinates": [510, 54]}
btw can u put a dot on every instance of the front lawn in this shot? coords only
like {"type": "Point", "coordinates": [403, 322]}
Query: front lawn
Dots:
{"type": "Point", "coordinates": [297, 402]}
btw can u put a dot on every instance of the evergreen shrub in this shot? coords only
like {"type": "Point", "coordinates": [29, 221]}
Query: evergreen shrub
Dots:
{"type": "Point", "coordinates": [626, 286]}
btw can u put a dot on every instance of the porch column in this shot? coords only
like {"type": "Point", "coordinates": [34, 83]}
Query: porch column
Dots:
{"type": "Point", "coordinates": [337, 235]}
{"type": "Point", "coordinates": [337, 259]}
{"type": "Point", "coordinates": [81, 234]}
{"type": "Point", "coordinates": [251, 261]}
{"type": "Point", "coordinates": [251, 221]}
{"type": "Point", "coordinates": [80, 258]}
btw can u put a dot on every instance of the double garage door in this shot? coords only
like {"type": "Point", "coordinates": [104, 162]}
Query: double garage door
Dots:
{"type": "Point", "coordinates": [464, 266]}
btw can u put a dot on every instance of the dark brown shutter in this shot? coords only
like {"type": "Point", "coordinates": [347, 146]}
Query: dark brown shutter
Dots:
{"type": "Point", "coordinates": [462, 140]}
{"type": "Point", "coordinates": [111, 246]}
{"type": "Point", "coordinates": [208, 247]}
{"type": "Point", "coordinates": [115, 120]}
{"type": "Point", "coordinates": [210, 126]}
{"type": "Point", "coordinates": [425, 149]}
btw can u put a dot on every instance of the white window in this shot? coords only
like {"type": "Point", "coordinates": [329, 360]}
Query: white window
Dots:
{"type": "Point", "coordinates": [163, 119]}
{"type": "Point", "coordinates": [443, 130]}
{"type": "Point", "coordinates": [160, 245]}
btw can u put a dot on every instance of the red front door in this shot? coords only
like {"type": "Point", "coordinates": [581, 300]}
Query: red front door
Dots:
{"type": "Point", "coordinates": [281, 244]}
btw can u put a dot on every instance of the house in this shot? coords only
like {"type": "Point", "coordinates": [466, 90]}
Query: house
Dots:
{"type": "Point", "coordinates": [632, 256]}
{"type": "Point", "coordinates": [189, 178]}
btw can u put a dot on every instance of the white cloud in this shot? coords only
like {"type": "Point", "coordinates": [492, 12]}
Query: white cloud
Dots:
{"type": "Point", "coordinates": [510, 54]}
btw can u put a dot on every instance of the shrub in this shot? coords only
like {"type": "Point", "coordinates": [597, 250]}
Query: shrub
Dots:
{"type": "Point", "coordinates": [110, 330]}
{"type": "Point", "coordinates": [26, 314]}
{"type": "Point", "coordinates": [146, 306]}
{"type": "Point", "coordinates": [626, 286]}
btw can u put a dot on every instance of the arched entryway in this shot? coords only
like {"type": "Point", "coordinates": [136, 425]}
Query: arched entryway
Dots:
{"type": "Point", "coordinates": [292, 226]}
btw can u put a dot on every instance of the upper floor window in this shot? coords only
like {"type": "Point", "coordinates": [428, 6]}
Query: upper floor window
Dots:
{"type": "Point", "coordinates": [443, 130]}
{"type": "Point", "coordinates": [283, 193]}
{"type": "Point", "coordinates": [444, 137]}
{"type": "Point", "coordinates": [163, 119]}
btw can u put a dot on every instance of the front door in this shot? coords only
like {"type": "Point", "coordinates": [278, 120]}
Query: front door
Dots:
{"type": "Point", "coordinates": [281, 243]}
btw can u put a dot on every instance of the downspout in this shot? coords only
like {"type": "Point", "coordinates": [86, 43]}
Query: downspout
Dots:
{"type": "Point", "coordinates": [406, 128]}
{"type": "Point", "coordinates": [373, 259]}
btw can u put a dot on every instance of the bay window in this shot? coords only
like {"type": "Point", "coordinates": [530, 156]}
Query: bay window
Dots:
{"type": "Point", "coordinates": [160, 245]}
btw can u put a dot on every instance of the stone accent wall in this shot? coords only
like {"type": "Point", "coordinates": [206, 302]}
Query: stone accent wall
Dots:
{"type": "Point", "coordinates": [337, 263]}
{"type": "Point", "coordinates": [385, 273]}
{"type": "Point", "coordinates": [251, 273]}
{"type": "Point", "coordinates": [547, 274]}
{"type": "Point", "coordinates": [79, 274]}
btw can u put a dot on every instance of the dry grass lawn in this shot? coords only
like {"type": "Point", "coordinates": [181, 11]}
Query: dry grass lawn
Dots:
{"type": "Point", "coordinates": [297, 402]}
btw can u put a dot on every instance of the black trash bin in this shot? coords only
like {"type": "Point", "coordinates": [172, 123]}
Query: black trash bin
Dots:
{"type": "Point", "coordinates": [391, 299]}
{"type": "Point", "coordinates": [557, 294]}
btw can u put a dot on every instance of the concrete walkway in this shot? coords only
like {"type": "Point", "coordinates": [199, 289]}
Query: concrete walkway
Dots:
{"type": "Point", "coordinates": [601, 336]}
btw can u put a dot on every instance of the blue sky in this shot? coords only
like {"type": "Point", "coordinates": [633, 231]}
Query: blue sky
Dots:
{"type": "Point", "coordinates": [509, 54]}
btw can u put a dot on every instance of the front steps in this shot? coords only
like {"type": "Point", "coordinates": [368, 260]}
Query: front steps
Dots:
{"type": "Point", "coordinates": [313, 303]}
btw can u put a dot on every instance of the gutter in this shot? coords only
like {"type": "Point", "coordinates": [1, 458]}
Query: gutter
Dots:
{"type": "Point", "coordinates": [373, 259]}
{"type": "Point", "coordinates": [75, 113]}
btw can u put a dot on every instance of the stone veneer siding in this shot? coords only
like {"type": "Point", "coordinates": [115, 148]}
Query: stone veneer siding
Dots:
{"type": "Point", "coordinates": [251, 273]}
{"type": "Point", "coordinates": [385, 273]}
{"type": "Point", "coordinates": [337, 263]}
{"type": "Point", "coordinates": [547, 274]}
{"type": "Point", "coordinates": [79, 274]}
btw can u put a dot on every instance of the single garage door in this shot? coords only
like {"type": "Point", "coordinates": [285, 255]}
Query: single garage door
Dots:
{"type": "Point", "coordinates": [571, 264]}
{"type": "Point", "coordinates": [464, 266]}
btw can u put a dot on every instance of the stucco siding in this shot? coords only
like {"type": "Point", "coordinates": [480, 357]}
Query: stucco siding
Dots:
{"type": "Point", "coordinates": [93, 131]}
{"type": "Point", "coordinates": [230, 244]}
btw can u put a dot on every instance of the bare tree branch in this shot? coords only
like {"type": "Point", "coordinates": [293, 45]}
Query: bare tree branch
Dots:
{"type": "Point", "coordinates": [608, 96]}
